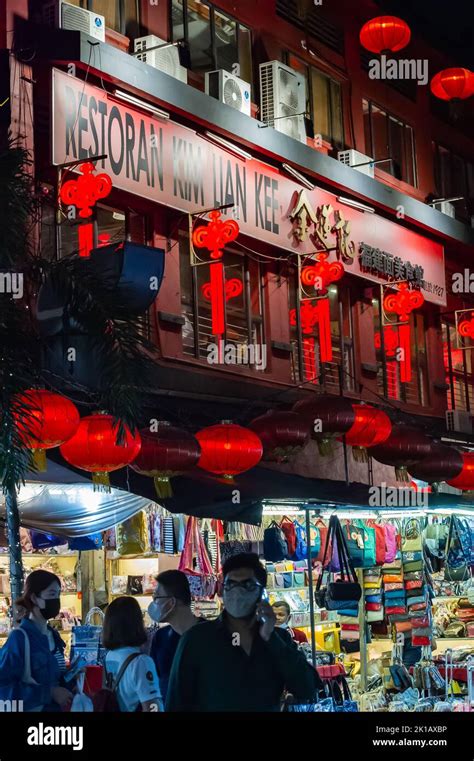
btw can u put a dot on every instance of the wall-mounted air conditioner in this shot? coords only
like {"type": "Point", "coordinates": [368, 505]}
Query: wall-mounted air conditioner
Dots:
{"type": "Point", "coordinates": [446, 208]}
{"type": "Point", "coordinates": [66, 16]}
{"type": "Point", "coordinates": [229, 89]}
{"type": "Point", "coordinates": [354, 158]}
{"type": "Point", "coordinates": [459, 420]}
{"type": "Point", "coordinates": [165, 59]}
{"type": "Point", "coordinates": [283, 99]}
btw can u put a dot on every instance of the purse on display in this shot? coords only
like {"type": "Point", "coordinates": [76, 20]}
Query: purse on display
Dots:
{"type": "Point", "coordinates": [391, 545]}
{"type": "Point", "coordinates": [380, 542]}
{"type": "Point", "coordinates": [275, 547]}
{"type": "Point", "coordinates": [345, 593]}
{"type": "Point", "coordinates": [301, 547]}
{"type": "Point", "coordinates": [457, 555]}
{"type": "Point", "coordinates": [287, 579]}
{"type": "Point", "coordinates": [287, 526]}
{"type": "Point", "coordinates": [202, 582]}
{"type": "Point", "coordinates": [354, 536]}
{"type": "Point", "coordinates": [132, 535]}
{"type": "Point", "coordinates": [279, 581]}
{"type": "Point", "coordinates": [412, 540]}
{"type": "Point", "coordinates": [298, 578]}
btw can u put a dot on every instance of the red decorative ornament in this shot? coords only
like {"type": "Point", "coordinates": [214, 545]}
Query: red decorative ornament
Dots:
{"type": "Point", "coordinates": [232, 289]}
{"type": "Point", "coordinates": [465, 479]}
{"type": "Point", "coordinates": [328, 416]}
{"type": "Point", "coordinates": [403, 303]}
{"type": "Point", "coordinates": [404, 447]}
{"type": "Point", "coordinates": [453, 84]}
{"type": "Point", "coordinates": [309, 315]}
{"type": "Point", "coordinates": [84, 194]}
{"type": "Point", "coordinates": [52, 419]}
{"type": "Point", "coordinates": [390, 339]}
{"type": "Point", "coordinates": [385, 34]}
{"type": "Point", "coordinates": [371, 427]}
{"type": "Point", "coordinates": [466, 327]}
{"type": "Point", "coordinates": [441, 464]}
{"type": "Point", "coordinates": [322, 274]}
{"type": "Point", "coordinates": [214, 237]}
{"type": "Point", "coordinates": [228, 449]}
{"type": "Point", "coordinates": [165, 453]}
{"type": "Point", "coordinates": [94, 448]}
{"type": "Point", "coordinates": [282, 434]}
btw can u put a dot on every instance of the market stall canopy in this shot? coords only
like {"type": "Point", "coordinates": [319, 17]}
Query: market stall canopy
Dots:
{"type": "Point", "coordinates": [63, 503]}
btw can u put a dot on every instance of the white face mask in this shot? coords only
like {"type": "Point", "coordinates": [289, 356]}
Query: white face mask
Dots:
{"type": "Point", "coordinates": [240, 603]}
{"type": "Point", "coordinates": [156, 612]}
{"type": "Point", "coordinates": [285, 625]}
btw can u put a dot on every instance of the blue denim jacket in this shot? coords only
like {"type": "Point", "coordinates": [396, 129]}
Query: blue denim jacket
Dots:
{"type": "Point", "coordinates": [44, 668]}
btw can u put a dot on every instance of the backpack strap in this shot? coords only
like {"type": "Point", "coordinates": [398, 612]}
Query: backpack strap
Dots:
{"type": "Point", "coordinates": [122, 670]}
{"type": "Point", "coordinates": [26, 676]}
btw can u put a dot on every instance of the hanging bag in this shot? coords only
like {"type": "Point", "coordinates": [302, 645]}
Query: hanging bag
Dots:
{"type": "Point", "coordinates": [86, 640]}
{"type": "Point", "coordinates": [275, 547]}
{"type": "Point", "coordinates": [411, 536]}
{"type": "Point", "coordinates": [323, 533]}
{"type": "Point", "coordinates": [354, 536]}
{"type": "Point", "coordinates": [380, 552]}
{"type": "Point", "coordinates": [202, 582]}
{"type": "Point", "coordinates": [301, 548]}
{"type": "Point", "coordinates": [288, 528]}
{"type": "Point", "coordinates": [391, 545]}
{"type": "Point", "coordinates": [345, 593]}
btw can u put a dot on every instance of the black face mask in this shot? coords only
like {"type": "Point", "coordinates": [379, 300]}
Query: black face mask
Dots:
{"type": "Point", "coordinates": [51, 608]}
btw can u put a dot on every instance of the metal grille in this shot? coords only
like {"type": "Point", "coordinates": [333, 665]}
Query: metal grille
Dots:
{"type": "Point", "coordinates": [403, 392]}
{"type": "Point", "coordinates": [237, 335]}
{"type": "Point", "coordinates": [328, 372]}
{"type": "Point", "coordinates": [315, 24]}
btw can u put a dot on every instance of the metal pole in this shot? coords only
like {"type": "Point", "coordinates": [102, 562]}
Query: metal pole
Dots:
{"type": "Point", "coordinates": [310, 587]}
{"type": "Point", "coordinates": [14, 544]}
{"type": "Point", "coordinates": [362, 631]}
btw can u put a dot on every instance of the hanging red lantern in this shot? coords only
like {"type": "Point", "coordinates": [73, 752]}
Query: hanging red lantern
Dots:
{"type": "Point", "coordinates": [164, 453]}
{"type": "Point", "coordinates": [328, 416]}
{"type": "Point", "coordinates": [404, 447]}
{"type": "Point", "coordinates": [84, 194]}
{"type": "Point", "coordinates": [442, 463]}
{"type": "Point", "coordinates": [465, 479]}
{"type": "Point", "coordinates": [385, 34]}
{"type": "Point", "coordinates": [282, 434]}
{"type": "Point", "coordinates": [228, 449]}
{"type": "Point", "coordinates": [94, 448]}
{"type": "Point", "coordinates": [322, 274]}
{"type": "Point", "coordinates": [51, 420]}
{"type": "Point", "coordinates": [403, 303]}
{"type": "Point", "coordinates": [370, 428]}
{"type": "Point", "coordinates": [453, 84]}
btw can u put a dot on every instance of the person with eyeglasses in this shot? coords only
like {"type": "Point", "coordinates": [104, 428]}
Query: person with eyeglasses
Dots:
{"type": "Point", "coordinates": [171, 605]}
{"type": "Point", "coordinates": [240, 661]}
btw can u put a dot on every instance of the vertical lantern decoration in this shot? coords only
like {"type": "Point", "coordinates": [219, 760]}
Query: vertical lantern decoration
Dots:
{"type": "Point", "coordinates": [96, 448]}
{"type": "Point", "coordinates": [403, 303]}
{"type": "Point", "coordinates": [50, 421]}
{"type": "Point", "coordinates": [84, 193]}
{"type": "Point", "coordinates": [214, 237]}
{"type": "Point", "coordinates": [228, 449]}
{"type": "Point", "coordinates": [385, 34]}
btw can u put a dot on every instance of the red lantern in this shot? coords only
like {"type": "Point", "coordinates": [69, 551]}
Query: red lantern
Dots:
{"type": "Point", "coordinates": [322, 274]}
{"type": "Point", "coordinates": [94, 448]}
{"type": "Point", "coordinates": [385, 34]}
{"type": "Point", "coordinates": [453, 84]}
{"type": "Point", "coordinates": [465, 479]}
{"type": "Point", "coordinates": [328, 416]}
{"type": "Point", "coordinates": [228, 449]}
{"type": "Point", "coordinates": [51, 420]}
{"type": "Point", "coordinates": [404, 447]}
{"type": "Point", "coordinates": [282, 434]}
{"type": "Point", "coordinates": [441, 464]}
{"type": "Point", "coordinates": [165, 453]}
{"type": "Point", "coordinates": [403, 303]}
{"type": "Point", "coordinates": [370, 428]}
{"type": "Point", "coordinates": [214, 237]}
{"type": "Point", "coordinates": [84, 193]}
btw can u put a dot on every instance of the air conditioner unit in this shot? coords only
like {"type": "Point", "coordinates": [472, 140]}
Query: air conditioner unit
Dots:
{"type": "Point", "coordinates": [229, 89]}
{"type": "Point", "coordinates": [283, 99]}
{"type": "Point", "coordinates": [165, 60]}
{"type": "Point", "coordinates": [459, 420]}
{"type": "Point", "coordinates": [66, 16]}
{"type": "Point", "coordinates": [446, 208]}
{"type": "Point", "coordinates": [352, 158]}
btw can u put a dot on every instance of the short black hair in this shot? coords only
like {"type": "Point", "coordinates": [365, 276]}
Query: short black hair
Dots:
{"type": "Point", "coordinates": [282, 604]}
{"type": "Point", "coordinates": [246, 560]}
{"type": "Point", "coordinates": [176, 585]}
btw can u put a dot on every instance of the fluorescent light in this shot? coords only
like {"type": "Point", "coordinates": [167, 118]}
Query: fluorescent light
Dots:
{"type": "Point", "coordinates": [356, 204]}
{"type": "Point", "coordinates": [210, 136]}
{"type": "Point", "coordinates": [300, 177]}
{"type": "Point", "coordinates": [158, 112]}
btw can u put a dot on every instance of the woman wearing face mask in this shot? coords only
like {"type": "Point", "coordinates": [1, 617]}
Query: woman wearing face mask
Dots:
{"type": "Point", "coordinates": [282, 613]}
{"type": "Point", "coordinates": [32, 659]}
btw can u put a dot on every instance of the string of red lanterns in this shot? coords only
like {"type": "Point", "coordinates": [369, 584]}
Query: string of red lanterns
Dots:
{"type": "Point", "coordinates": [385, 34]}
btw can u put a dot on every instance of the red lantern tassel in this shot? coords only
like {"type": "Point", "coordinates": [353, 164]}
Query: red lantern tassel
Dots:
{"type": "Point", "coordinates": [325, 343]}
{"type": "Point", "coordinates": [405, 362]}
{"type": "Point", "coordinates": [101, 482]}
{"type": "Point", "coordinates": [217, 298]}
{"type": "Point", "coordinates": [86, 239]}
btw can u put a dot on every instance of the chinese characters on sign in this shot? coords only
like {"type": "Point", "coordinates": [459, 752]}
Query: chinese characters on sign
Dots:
{"type": "Point", "coordinates": [318, 225]}
{"type": "Point", "coordinates": [391, 266]}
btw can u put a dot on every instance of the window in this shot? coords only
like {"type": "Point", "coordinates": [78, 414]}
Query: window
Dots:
{"type": "Point", "coordinates": [387, 137]}
{"type": "Point", "coordinates": [243, 312]}
{"type": "Point", "coordinates": [121, 15]}
{"type": "Point", "coordinates": [111, 226]}
{"type": "Point", "coordinates": [216, 41]}
{"type": "Point", "coordinates": [307, 366]}
{"type": "Point", "coordinates": [458, 365]}
{"type": "Point", "coordinates": [454, 177]}
{"type": "Point", "coordinates": [324, 101]}
{"type": "Point", "coordinates": [386, 346]}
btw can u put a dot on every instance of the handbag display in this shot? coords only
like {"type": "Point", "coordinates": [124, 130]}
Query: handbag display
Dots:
{"type": "Point", "coordinates": [412, 540]}
{"type": "Point", "coordinates": [86, 641]}
{"type": "Point", "coordinates": [354, 536]}
{"type": "Point", "coordinates": [301, 547]}
{"type": "Point", "coordinates": [202, 582]}
{"type": "Point", "coordinates": [275, 547]}
{"type": "Point", "coordinates": [345, 593]}
{"type": "Point", "coordinates": [132, 535]}
{"type": "Point", "coordinates": [380, 542]}
{"type": "Point", "coordinates": [287, 526]}
{"type": "Point", "coordinates": [323, 534]}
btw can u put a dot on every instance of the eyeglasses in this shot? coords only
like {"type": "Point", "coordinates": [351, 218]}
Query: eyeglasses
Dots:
{"type": "Point", "coordinates": [250, 585]}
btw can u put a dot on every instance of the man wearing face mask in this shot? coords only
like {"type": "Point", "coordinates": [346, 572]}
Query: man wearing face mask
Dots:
{"type": "Point", "coordinates": [240, 661]}
{"type": "Point", "coordinates": [32, 659]}
{"type": "Point", "coordinates": [171, 605]}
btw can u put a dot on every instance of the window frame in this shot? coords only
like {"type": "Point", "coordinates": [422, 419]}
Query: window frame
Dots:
{"type": "Point", "coordinates": [287, 55]}
{"type": "Point", "coordinates": [212, 10]}
{"type": "Point", "coordinates": [389, 115]}
{"type": "Point", "coordinates": [89, 5]}
{"type": "Point", "coordinates": [468, 191]}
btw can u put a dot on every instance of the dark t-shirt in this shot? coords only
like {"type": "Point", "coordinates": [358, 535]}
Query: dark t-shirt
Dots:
{"type": "Point", "coordinates": [163, 647]}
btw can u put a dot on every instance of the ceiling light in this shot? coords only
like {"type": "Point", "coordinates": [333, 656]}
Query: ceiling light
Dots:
{"type": "Point", "coordinates": [124, 96]}
{"type": "Point", "coordinates": [356, 204]}
{"type": "Point", "coordinates": [221, 141]}
{"type": "Point", "coordinates": [300, 177]}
